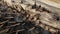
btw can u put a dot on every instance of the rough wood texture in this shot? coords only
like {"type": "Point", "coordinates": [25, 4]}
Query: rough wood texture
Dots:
{"type": "Point", "coordinates": [28, 16]}
{"type": "Point", "coordinates": [51, 16]}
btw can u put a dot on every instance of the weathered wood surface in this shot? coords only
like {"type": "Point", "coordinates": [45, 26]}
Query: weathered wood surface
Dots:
{"type": "Point", "coordinates": [45, 17]}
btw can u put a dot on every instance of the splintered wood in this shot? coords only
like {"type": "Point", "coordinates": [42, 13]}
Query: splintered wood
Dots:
{"type": "Point", "coordinates": [27, 19]}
